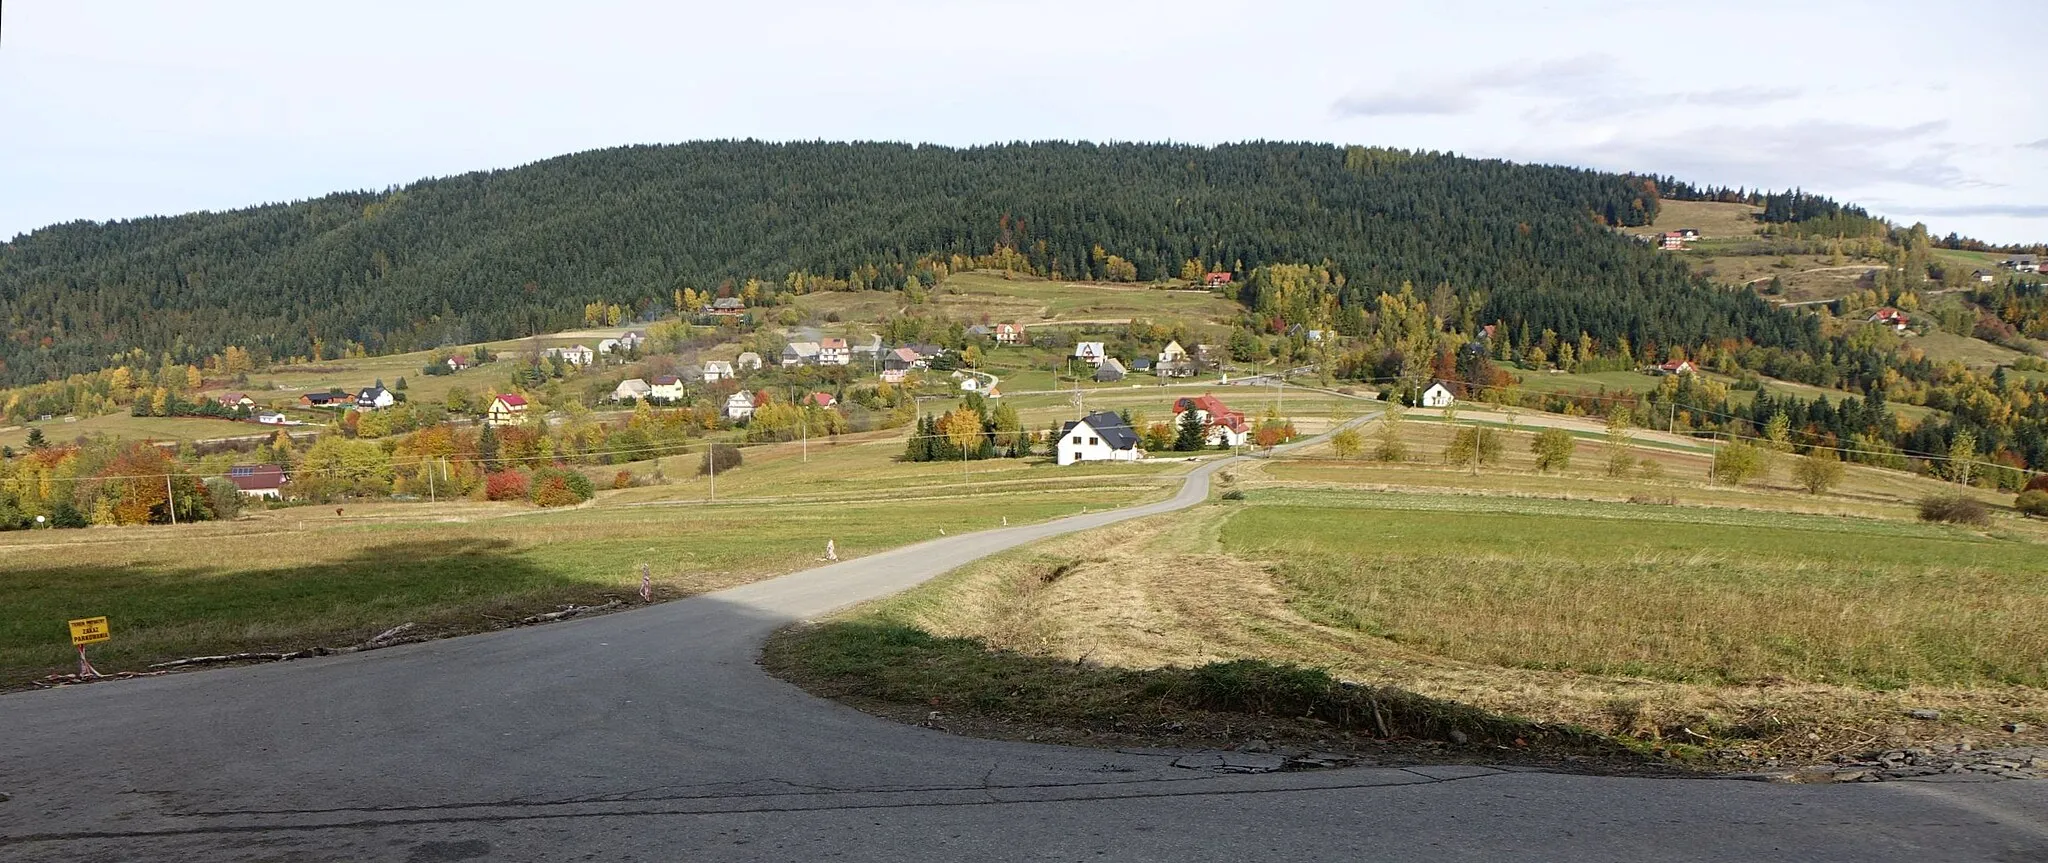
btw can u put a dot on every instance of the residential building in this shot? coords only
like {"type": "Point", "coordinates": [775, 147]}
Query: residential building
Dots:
{"type": "Point", "coordinates": [1100, 436]}
{"type": "Point", "coordinates": [608, 347]}
{"type": "Point", "coordinates": [235, 400]}
{"type": "Point", "coordinates": [800, 354]}
{"type": "Point", "coordinates": [1671, 241]}
{"type": "Point", "coordinates": [668, 388]}
{"type": "Point", "coordinates": [739, 406]}
{"type": "Point", "coordinates": [631, 388]}
{"type": "Point", "coordinates": [833, 352]}
{"type": "Point", "coordinates": [822, 399]}
{"type": "Point", "coordinates": [1090, 352]}
{"type": "Point", "coordinates": [2022, 263]}
{"type": "Point", "coordinates": [458, 362]}
{"type": "Point", "coordinates": [729, 306]}
{"type": "Point", "coordinates": [1183, 368]}
{"type": "Point", "coordinates": [718, 370]}
{"type": "Point", "coordinates": [575, 355]}
{"type": "Point", "coordinates": [631, 340]}
{"type": "Point", "coordinates": [748, 362]}
{"type": "Point", "coordinates": [898, 364]}
{"type": "Point", "coordinates": [1225, 425]}
{"type": "Point", "coordinates": [1675, 367]}
{"type": "Point", "coordinates": [258, 480]}
{"type": "Point", "coordinates": [1984, 276]}
{"type": "Point", "coordinates": [1111, 371]}
{"type": "Point", "coordinates": [1141, 364]}
{"type": "Point", "coordinates": [1009, 334]}
{"type": "Point", "coordinates": [1437, 396]}
{"type": "Point", "coordinates": [1216, 280]}
{"type": "Point", "coordinates": [1173, 353]}
{"type": "Point", "coordinates": [325, 400]}
{"type": "Point", "coordinates": [375, 398]}
{"type": "Point", "coordinates": [271, 418]}
{"type": "Point", "coordinates": [507, 409]}
{"type": "Point", "coordinates": [1891, 317]}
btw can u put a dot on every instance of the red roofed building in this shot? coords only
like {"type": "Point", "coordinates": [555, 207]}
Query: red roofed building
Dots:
{"type": "Point", "coordinates": [258, 480]}
{"type": "Point", "coordinates": [1226, 424]}
{"type": "Point", "coordinates": [1216, 279]}
{"type": "Point", "coordinates": [507, 409]}
{"type": "Point", "coordinates": [1891, 317]}
{"type": "Point", "coordinates": [823, 400]}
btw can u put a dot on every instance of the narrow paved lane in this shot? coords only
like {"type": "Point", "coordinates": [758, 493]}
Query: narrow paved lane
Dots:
{"type": "Point", "coordinates": [652, 735]}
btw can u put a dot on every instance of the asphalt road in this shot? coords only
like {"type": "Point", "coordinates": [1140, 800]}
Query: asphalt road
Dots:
{"type": "Point", "coordinates": [652, 735]}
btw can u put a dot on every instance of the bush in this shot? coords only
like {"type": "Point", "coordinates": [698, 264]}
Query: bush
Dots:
{"type": "Point", "coordinates": [2034, 502]}
{"type": "Point", "coordinates": [1553, 449]}
{"type": "Point", "coordinates": [623, 479]}
{"type": "Point", "coordinates": [1736, 463]}
{"type": "Point", "coordinates": [225, 497]}
{"type": "Point", "coordinates": [506, 485]}
{"type": "Point", "coordinates": [1818, 471]}
{"type": "Point", "coordinates": [1954, 509]}
{"type": "Point", "coordinates": [721, 456]}
{"type": "Point", "coordinates": [558, 486]}
{"type": "Point", "coordinates": [2038, 483]}
{"type": "Point", "coordinates": [1234, 494]}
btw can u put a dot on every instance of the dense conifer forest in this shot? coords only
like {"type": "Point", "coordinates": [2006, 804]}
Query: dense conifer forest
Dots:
{"type": "Point", "coordinates": [507, 253]}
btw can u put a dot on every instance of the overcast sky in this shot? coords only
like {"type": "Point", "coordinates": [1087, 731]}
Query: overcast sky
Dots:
{"type": "Point", "coordinates": [1918, 111]}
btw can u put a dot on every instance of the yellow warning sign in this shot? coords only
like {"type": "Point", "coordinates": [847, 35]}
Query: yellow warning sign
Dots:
{"type": "Point", "coordinates": [90, 630]}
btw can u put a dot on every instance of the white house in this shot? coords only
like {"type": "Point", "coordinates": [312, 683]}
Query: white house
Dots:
{"type": "Point", "coordinates": [1101, 436]}
{"type": "Point", "coordinates": [507, 409]}
{"type": "Point", "coordinates": [2022, 263]}
{"type": "Point", "coordinates": [1437, 396]}
{"type": "Point", "coordinates": [575, 355]}
{"type": "Point", "coordinates": [833, 352]}
{"type": "Point", "coordinates": [631, 388]}
{"type": "Point", "coordinates": [1173, 353]}
{"type": "Point", "coordinates": [271, 418]}
{"type": "Point", "coordinates": [667, 387]}
{"type": "Point", "coordinates": [748, 362]}
{"type": "Point", "coordinates": [610, 346]}
{"type": "Point", "coordinates": [800, 354]}
{"type": "Point", "coordinates": [375, 398]}
{"type": "Point", "coordinates": [258, 480]}
{"type": "Point", "coordinates": [739, 406]}
{"type": "Point", "coordinates": [631, 339]}
{"type": "Point", "coordinates": [717, 370]}
{"type": "Point", "coordinates": [1226, 425]}
{"type": "Point", "coordinates": [1089, 351]}
{"type": "Point", "coordinates": [1008, 334]}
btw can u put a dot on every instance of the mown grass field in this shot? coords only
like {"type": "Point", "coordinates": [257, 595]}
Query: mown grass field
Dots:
{"type": "Point", "coordinates": [292, 578]}
{"type": "Point", "coordinates": [1744, 629]}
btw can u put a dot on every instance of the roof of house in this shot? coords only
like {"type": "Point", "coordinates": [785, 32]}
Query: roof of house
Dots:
{"type": "Point", "coordinates": [802, 349]}
{"type": "Point", "coordinates": [633, 385]}
{"type": "Point", "coordinates": [666, 380]}
{"type": "Point", "coordinates": [823, 400]}
{"type": "Point", "coordinates": [256, 477]}
{"type": "Point", "coordinates": [512, 400]}
{"type": "Point", "coordinates": [1108, 426]}
{"type": "Point", "coordinates": [748, 355]}
{"type": "Point", "coordinates": [1006, 328]}
{"type": "Point", "coordinates": [1219, 413]}
{"type": "Point", "coordinates": [1087, 349]}
{"type": "Point", "coordinates": [1110, 370]}
{"type": "Point", "coordinates": [717, 364]}
{"type": "Point", "coordinates": [371, 393]}
{"type": "Point", "coordinates": [1142, 364]}
{"type": "Point", "coordinates": [831, 344]}
{"type": "Point", "coordinates": [234, 397]}
{"type": "Point", "coordinates": [728, 303]}
{"type": "Point", "coordinates": [739, 398]}
{"type": "Point", "coordinates": [2024, 259]}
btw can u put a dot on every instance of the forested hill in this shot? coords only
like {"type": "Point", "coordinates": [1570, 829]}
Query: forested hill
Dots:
{"type": "Point", "coordinates": [512, 252]}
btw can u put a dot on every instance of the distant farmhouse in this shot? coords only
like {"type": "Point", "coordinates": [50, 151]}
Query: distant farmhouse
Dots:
{"type": "Point", "coordinates": [1100, 436]}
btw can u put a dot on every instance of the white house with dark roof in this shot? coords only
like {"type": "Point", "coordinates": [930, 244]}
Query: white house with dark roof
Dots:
{"type": "Point", "coordinates": [1100, 436]}
{"type": "Point", "coordinates": [1090, 352]}
{"type": "Point", "coordinates": [739, 406]}
{"type": "Point", "coordinates": [717, 370]}
{"type": "Point", "coordinates": [631, 388]}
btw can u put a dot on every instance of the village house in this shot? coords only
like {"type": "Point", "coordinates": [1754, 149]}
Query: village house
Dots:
{"type": "Point", "coordinates": [1008, 334]}
{"type": "Point", "coordinates": [833, 352]}
{"type": "Point", "coordinates": [668, 388]}
{"type": "Point", "coordinates": [258, 480]}
{"type": "Point", "coordinates": [1111, 371]}
{"type": "Point", "coordinates": [1089, 352]}
{"type": "Point", "coordinates": [822, 399]}
{"type": "Point", "coordinates": [1141, 364]}
{"type": "Point", "coordinates": [271, 418]}
{"type": "Point", "coordinates": [507, 409]}
{"type": "Point", "coordinates": [1216, 280]}
{"type": "Point", "coordinates": [1173, 353]}
{"type": "Point", "coordinates": [631, 388]}
{"type": "Point", "coordinates": [717, 370]}
{"type": "Point", "coordinates": [899, 363]}
{"type": "Point", "coordinates": [1671, 241]}
{"type": "Point", "coordinates": [1437, 396]}
{"type": "Point", "coordinates": [739, 406]}
{"type": "Point", "coordinates": [375, 398]}
{"type": "Point", "coordinates": [631, 340]}
{"type": "Point", "coordinates": [575, 355]}
{"type": "Point", "coordinates": [800, 354]}
{"type": "Point", "coordinates": [458, 362]}
{"type": "Point", "coordinates": [1223, 425]}
{"type": "Point", "coordinates": [748, 361]}
{"type": "Point", "coordinates": [728, 306]}
{"type": "Point", "coordinates": [2022, 264]}
{"type": "Point", "coordinates": [1984, 276]}
{"type": "Point", "coordinates": [235, 400]}
{"type": "Point", "coordinates": [325, 400]}
{"type": "Point", "coordinates": [1100, 436]}
{"type": "Point", "coordinates": [1891, 317]}
{"type": "Point", "coordinates": [1675, 367]}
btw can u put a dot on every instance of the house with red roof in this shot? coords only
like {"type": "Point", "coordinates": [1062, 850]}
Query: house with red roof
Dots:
{"type": "Point", "coordinates": [821, 399]}
{"type": "Point", "coordinates": [258, 480]}
{"type": "Point", "coordinates": [1891, 317]}
{"type": "Point", "coordinates": [507, 409]}
{"type": "Point", "coordinates": [1216, 280]}
{"type": "Point", "coordinates": [1226, 425]}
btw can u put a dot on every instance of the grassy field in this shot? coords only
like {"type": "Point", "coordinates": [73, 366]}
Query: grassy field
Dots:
{"type": "Point", "coordinates": [1748, 631]}
{"type": "Point", "coordinates": [1944, 347]}
{"type": "Point", "coordinates": [296, 577]}
{"type": "Point", "coordinates": [1714, 220]}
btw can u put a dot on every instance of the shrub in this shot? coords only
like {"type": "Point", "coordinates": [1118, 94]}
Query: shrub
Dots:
{"type": "Point", "coordinates": [721, 456]}
{"type": "Point", "coordinates": [1954, 509]}
{"type": "Point", "coordinates": [2033, 502]}
{"type": "Point", "coordinates": [1553, 449]}
{"type": "Point", "coordinates": [2038, 483]}
{"type": "Point", "coordinates": [225, 497]}
{"type": "Point", "coordinates": [1238, 494]}
{"type": "Point", "coordinates": [1818, 471]}
{"type": "Point", "coordinates": [623, 479]}
{"type": "Point", "coordinates": [1736, 463]}
{"type": "Point", "coordinates": [506, 485]}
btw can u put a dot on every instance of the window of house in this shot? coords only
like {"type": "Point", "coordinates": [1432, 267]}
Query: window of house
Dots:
{"type": "Point", "coordinates": [1077, 440]}
{"type": "Point", "coordinates": [1093, 441]}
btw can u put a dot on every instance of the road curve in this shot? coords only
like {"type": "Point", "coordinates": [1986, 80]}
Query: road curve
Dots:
{"type": "Point", "coordinates": [652, 735]}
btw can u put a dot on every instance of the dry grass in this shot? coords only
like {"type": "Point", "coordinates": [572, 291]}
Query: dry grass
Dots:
{"type": "Point", "coordinates": [1747, 632]}
{"type": "Point", "coordinates": [1714, 220]}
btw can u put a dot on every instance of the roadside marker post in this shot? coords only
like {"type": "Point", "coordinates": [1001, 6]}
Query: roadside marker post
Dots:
{"type": "Point", "coordinates": [646, 584]}
{"type": "Point", "coordinates": [84, 631]}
